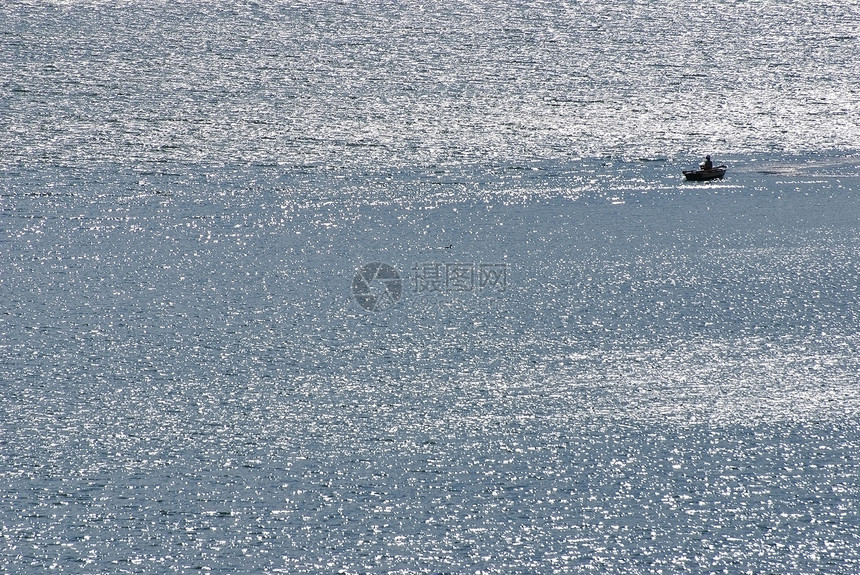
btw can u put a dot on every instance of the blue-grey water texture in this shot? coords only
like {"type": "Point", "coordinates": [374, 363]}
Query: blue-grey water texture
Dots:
{"type": "Point", "coordinates": [418, 287]}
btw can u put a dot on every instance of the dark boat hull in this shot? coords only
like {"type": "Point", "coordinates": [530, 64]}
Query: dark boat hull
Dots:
{"type": "Point", "coordinates": [716, 173]}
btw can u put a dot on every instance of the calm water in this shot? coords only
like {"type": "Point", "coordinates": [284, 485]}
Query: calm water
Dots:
{"type": "Point", "coordinates": [397, 287]}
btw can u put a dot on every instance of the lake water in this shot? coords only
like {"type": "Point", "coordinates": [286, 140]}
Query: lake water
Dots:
{"type": "Point", "coordinates": [398, 287]}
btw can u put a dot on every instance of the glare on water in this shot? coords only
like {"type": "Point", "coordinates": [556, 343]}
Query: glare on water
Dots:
{"type": "Point", "coordinates": [332, 287]}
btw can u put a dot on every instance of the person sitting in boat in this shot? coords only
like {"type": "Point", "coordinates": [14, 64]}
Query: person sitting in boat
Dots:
{"type": "Point", "coordinates": [707, 164]}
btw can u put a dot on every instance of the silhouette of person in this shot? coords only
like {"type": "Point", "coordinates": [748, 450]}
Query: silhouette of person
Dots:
{"type": "Point", "coordinates": [707, 164]}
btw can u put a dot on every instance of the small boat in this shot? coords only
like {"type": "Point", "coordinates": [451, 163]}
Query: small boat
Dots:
{"type": "Point", "coordinates": [700, 175]}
